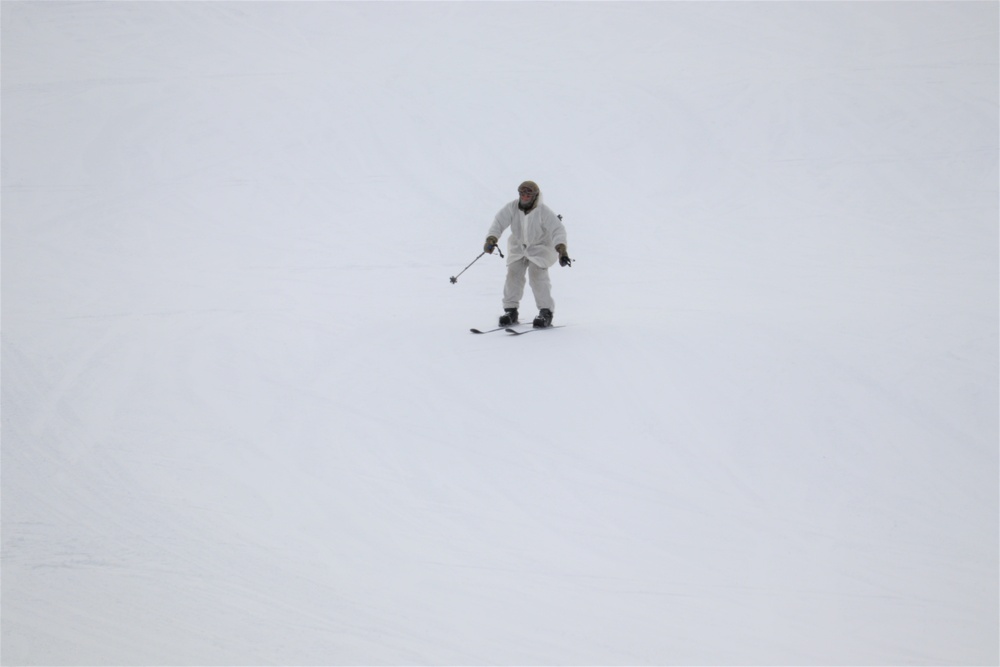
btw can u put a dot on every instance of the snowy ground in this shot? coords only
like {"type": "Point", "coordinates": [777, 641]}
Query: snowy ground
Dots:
{"type": "Point", "coordinates": [244, 421]}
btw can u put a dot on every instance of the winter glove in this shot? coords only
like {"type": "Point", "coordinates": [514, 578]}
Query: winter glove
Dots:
{"type": "Point", "coordinates": [491, 242]}
{"type": "Point", "coordinates": [564, 259]}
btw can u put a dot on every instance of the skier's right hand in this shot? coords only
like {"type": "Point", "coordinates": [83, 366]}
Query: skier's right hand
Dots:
{"type": "Point", "coordinates": [491, 243]}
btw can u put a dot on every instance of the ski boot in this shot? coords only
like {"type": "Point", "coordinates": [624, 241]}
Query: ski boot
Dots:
{"type": "Point", "coordinates": [544, 319]}
{"type": "Point", "coordinates": [509, 317]}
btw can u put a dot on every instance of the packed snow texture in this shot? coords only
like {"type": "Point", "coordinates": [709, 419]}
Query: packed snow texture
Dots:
{"type": "Point", "coordinates": [244, 420]}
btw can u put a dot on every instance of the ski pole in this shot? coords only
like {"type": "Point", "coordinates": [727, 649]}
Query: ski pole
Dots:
{"type": "Point", "coordinates": [454, 279]}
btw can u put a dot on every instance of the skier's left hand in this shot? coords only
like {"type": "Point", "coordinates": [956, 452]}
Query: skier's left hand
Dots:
{"type": "Point", "coordinates": [564, 259]}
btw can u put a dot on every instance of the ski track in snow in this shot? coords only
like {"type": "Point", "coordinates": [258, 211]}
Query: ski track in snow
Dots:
{"type": "Point", "coordinates": [244, 421]}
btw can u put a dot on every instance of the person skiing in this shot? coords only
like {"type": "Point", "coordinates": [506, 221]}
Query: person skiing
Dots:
{"type": "Point", "coordinates": [537, 240]}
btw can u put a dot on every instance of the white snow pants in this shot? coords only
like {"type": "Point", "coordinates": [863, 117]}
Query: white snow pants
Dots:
{"type": "Point", "coordinates": [538, 278]}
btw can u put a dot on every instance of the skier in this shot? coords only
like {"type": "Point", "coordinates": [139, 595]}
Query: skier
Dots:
{"type": "Point", "coordinates": [537, 240]}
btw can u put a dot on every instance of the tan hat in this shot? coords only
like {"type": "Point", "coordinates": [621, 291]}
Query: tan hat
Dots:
{"type": "Point", "coordinates": [529, 185]}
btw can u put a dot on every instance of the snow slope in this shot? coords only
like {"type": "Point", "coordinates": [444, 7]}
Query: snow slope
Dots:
{"type": "Point", "coordinates": [244, 421]}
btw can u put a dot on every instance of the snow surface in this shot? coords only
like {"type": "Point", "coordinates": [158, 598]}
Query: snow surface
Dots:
{"type": "Point", "coordinates": [244, 421]}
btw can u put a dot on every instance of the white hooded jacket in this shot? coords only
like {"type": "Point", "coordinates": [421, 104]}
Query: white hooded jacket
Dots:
{"type": "Point", "coordinates": [533, 235]}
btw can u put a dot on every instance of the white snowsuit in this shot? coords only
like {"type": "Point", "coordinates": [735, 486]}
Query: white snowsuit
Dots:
{"type": "Point", "coordinates": [532, 248]}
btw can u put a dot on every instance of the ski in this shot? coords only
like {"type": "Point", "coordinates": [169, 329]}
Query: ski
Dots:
{"type": "Point", "coordinates": [518, 333]}
{"type": "Point", "coordinates": [506, 328]}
